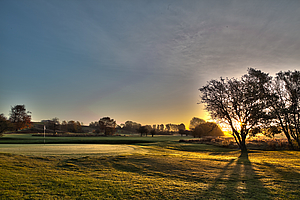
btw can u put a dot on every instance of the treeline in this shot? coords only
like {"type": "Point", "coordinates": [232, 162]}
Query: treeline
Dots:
{"type": "Point", "coordinates": [134, 127]}
{"type": "Point", "coordinates": [65, 126]}
{"type": "Point", "coordinates": [20, 119]}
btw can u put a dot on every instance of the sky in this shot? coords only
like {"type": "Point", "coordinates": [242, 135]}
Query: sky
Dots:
{"type": "Point", "coordinates": [137, 60]}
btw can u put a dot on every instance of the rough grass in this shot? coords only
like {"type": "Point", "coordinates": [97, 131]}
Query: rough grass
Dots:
{"type": "Point", "coordinates": [163, 170]}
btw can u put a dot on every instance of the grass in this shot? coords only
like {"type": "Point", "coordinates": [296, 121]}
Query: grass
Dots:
{"type": "Point", "coordinates": [161, 170]}
{"type": "Point", "coordinates": [30, 139]}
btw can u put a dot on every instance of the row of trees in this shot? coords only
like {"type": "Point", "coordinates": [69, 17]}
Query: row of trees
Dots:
{"type": "Point", "coordinates": [131, 126]}
{"type": "Point", "coordinates": [20, 119]}
{"type": "Point", "coordinates": [64, 126]}
{"type": "Point", "coordinates": [256, 102]}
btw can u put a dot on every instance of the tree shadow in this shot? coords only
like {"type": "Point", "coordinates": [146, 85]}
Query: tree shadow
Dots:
{"type": "Point", "coordinates": [238, 180]}
{"type": "Point", "coordinates": [287, 179]}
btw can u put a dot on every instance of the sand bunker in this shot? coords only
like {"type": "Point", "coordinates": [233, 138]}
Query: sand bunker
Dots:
{"type": "Point", "coordinates": [66, 149]}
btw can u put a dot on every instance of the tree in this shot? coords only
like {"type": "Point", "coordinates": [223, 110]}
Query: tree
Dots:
{"type": "Point", "coordinates": [79, 127]}
{"type": "Point", "coordinates": [284, 102]}
{"type": "Point", "coordinates": [207, 129]}
{"type": "Point", "coordinates": [19, 117]}
{"type": "Point", "coordinates": [153, 131]}
{"type": "Point", "coordinates": [161, 127]}
{"type": "Point", "coordinates": [143, 130]}
{"type": "Point", "coordinates": [195, 122]}
{"type": "Point", "coordinates": [5, 124]}
{"type": "Point", "coordinates": [64, 126]}
{"type": "Point", "coordinates": [131, 126]}
{"type": "Point", "coordinates": [238, 103]}
{"type": "Point", "coordinates": [107, 125]}
{"type": "Point", "coordinates": [181, 129]}
{"type": "Point", "coordinates": [168, 127]}
{"type": "Point", "coordinates": [72, 126]}
{"type": "Point", "coordinates": [54, 124]}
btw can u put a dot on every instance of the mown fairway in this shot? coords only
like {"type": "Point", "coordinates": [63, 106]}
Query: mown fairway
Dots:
{"type": "Point", "coordinates": [160, 170]}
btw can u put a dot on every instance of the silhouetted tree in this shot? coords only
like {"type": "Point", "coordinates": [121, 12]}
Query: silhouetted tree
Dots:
{"type": "Point", "coordinates": [153, 132]}
{"type": "Point", "coordinates": [107, 125]}
{"type": "Point", "coordinates": [19, 117]}
{"type": "Point", "coordinates": [131, 126]}
{"type": "Point", "coordinates": [161, 127]}
{"type": "Point", "coordinates": [64, 126]}
{"type": "Point", "coordinates": [154, 126]}
{"type": "Point", "coordinates": [284, 103]}
{"type": "Point", "coordinates": [237, 102]}
{"type": "Point", "coordinates": [207, 129]}
{"type": "Point", "coordinates": [72, 127]}
{"type": "Point", "coordinates": [168, 127]}
{"type": "Point", "coordinates": [54, 124]}
{"type": "Point", "coordinates": [79, 127]}
{"type": "Point", "coordinates": [5, 125]}
{"type": "Point", "coordinates": [181, 129]}
{"type": "Point", "coordinates": [143, 130]}
{"type": "Point", "coordinates": [195, 121]}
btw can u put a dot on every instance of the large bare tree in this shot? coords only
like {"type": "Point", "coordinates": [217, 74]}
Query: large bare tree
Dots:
{"type": "Point", "coordinates": [238, 103]}
{"type": "Point", "coordinates": [284, 103]}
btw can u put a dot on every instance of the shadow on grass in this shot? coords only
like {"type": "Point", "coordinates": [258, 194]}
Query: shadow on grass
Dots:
{"type": "Point", "coordinates": [238, 180]}
{"type": "Point", "coordinates": [285, 179]}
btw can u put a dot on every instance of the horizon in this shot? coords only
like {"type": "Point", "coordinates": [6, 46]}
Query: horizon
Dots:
{"type": "Point", "coordinates": [136, 61]}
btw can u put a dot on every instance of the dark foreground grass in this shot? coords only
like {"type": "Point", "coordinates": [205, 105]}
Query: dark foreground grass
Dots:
{"type": "Point", "coordinates": [167, 171]}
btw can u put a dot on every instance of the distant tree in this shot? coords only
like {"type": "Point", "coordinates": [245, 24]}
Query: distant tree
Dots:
{"type": "Point", "coordinates": [72, 126]}
{"type": "Point", "coordinates": [79, 127]}
{"type": "Point", "coordinates": [149, 127]}
{"type": "Point", "coordinates": [161, 127]}
{"type": "Point", "coordinates": [143, 130]}
{"type": "Point", "coordinates": [168, 127]}
{"type": "Point", "coordinates": [122, 126]}
{"type": "Point", "coordinates": [19, 117]}
{"type": "Point", "coordinates": [64, 126]}
{"type": "Point", "coordinates": [154, 126]}
{"type": "Point", "coordinates": [107, 125]}
{"type": "Point", "coordinates": [131, 126]}
{"type": "Point", "coordinates": [54, 124]}
{"type": "Point", "coordinates": [174, 128]}
{"type": "Point", "coordinates": [181, 129]}
{"type": "Point", "coordinates": [238, 102]}
{"type": "Point", "coordinates": [207, 129]}
{"type": "Point", "coordinates": [153, 132]}
{"type": "Point", "coordinates": [94, 124]}
{"type": "Point", "coordinates": [5, 125]}
{"type": "Point", "coordinates": [195, 122]}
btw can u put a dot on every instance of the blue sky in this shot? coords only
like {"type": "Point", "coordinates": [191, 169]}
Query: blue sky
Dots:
{"type": "Point", "coordinates": [136, 60]}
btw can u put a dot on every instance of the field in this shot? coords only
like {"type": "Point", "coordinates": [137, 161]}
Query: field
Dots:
{"type": "Point", "coordinates": [142, 168]}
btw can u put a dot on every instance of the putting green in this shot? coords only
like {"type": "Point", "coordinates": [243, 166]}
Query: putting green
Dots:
{"type": "Point", "coordinates": [66, 149]}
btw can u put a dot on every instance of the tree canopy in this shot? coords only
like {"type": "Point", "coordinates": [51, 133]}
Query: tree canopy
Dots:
{"type": "Point", "coordinates": [107, 125]}
{"type": "Point", "coordinates": [19, 117]}
{"type": "Point", "coordinates": [195, 122]}
{"type": "Point", "coordinates": [237, 102]}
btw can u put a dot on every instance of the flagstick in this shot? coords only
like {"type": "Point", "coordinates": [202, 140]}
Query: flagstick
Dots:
{"type": "Point", "coordinates": [44, 133]}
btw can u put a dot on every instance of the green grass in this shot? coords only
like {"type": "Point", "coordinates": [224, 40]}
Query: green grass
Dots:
{"type": "Point", "coordinates": [161, 170]}
{"type": "Point", "coordinates": [30, 139]}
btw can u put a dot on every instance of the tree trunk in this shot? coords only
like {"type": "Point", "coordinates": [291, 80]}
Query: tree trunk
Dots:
{"type": "Point", "coordinates": [243, 145]}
